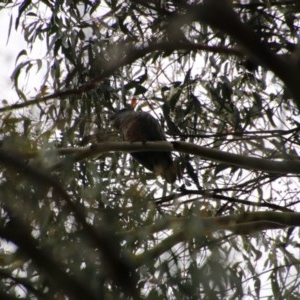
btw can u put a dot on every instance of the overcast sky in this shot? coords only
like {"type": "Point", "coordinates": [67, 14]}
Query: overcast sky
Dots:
{"type": "Point", "coordinates": [8, 53]}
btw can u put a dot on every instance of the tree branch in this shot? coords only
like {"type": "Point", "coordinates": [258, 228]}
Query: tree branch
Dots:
{"type": "Point", "coordinates": [217, 196]}
{"type": "Point", "coordinates": [219, 14]}
{"type": "Point", "coordinates": [118, 268]}
{"type": "Point", "coordinates": [186, 228]}
{"type": "Point", "coordinates": [242, 161]}
{"type": "Point", "coordinates": [131, 54]}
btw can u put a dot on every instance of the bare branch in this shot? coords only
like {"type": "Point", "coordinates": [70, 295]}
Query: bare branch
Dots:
{"type": "Point", "coordinates": [243, 161]}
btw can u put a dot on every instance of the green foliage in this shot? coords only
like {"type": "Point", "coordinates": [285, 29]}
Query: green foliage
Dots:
{"type": "Point", "coordinates": [80, 226]}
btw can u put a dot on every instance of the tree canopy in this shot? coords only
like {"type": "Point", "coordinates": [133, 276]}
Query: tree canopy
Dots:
{"type": "Point", "coordinates": [80, 219]}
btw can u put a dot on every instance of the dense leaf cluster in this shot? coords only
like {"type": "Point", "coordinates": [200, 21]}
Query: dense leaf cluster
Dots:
{"type": "Point", "coordinates": [82, 223]}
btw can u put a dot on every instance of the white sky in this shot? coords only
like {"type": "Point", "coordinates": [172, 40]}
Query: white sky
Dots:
{"type": "Point", "coordinates": [8, 54]}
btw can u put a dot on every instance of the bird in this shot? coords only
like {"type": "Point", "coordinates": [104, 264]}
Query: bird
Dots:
{"type": "Point", "coordinates": [141, 126]}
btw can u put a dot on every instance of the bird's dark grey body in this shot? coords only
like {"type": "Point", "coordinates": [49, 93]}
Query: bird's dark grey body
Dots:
{"type": "Point", "coordinates": [141, 126]}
